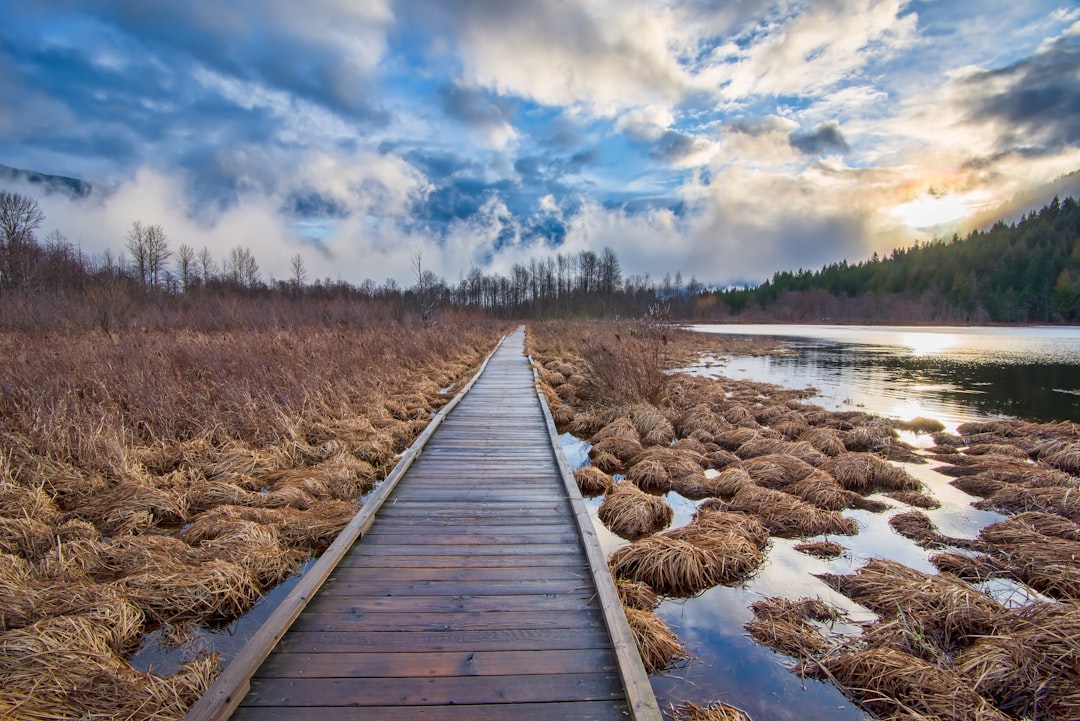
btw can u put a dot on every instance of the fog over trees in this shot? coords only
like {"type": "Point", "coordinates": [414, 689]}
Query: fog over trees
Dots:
{"type": "Point", "coordinates": [1027, 271]}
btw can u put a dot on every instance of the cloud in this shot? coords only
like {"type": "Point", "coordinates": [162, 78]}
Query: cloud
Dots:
{"type": "Point", "coordinates": [810, 51]}
{"type": "Point", "coordinates": [824, 138]}
{"type": "Point", "coordinates": [1032, 104]}
{"type": "Point", "coordinates": [603, 56]}
{"type": "Point", "coordinates": [489, 116]}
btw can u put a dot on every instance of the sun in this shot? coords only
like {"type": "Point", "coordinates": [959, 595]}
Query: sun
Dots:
{"type": "Point", "coordinates": [930, 210]}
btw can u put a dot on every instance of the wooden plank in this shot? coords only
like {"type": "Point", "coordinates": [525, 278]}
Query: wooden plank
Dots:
{"type": "Point", "coordinates": [431, 664]}
{"type": "Point", "coordinates": [415, 641]}
{"type": "Point", "coordinates": [375, 574]}
{"type": "Point", "coordinates": [358, 692]}
{"type": "Point", "coordinates": [569, 560]}
{"type": "Point", "coordinates": [477, 538]}
{"type": "Point", "coordinates": [564, 711]}
{"type": "Point", "coordinates": [440, 621]}
{"type": "Point", "coordinates": [392, 588]}
{"type": "Point", "coordinates": [522, 549]}
{"type": "Point", "coordinates": [325, 603]}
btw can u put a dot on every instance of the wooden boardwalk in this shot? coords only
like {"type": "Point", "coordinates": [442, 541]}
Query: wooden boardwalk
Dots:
{"type": "Point", "coordinates": [478, 590]}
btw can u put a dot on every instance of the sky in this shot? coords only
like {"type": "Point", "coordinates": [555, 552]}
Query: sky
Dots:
{"type": "Point", "coordinates": [725, 139]}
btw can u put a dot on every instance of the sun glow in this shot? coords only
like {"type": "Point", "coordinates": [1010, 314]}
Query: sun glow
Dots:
{"type": "Point", "coordinates": [930, 210]}
{"type": "Point", "coordinates": [926, 343]}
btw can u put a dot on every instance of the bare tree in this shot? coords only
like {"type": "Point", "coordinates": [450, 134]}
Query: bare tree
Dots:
{"type": "Point", "coordinates": [185, 263]}
{"type": "Point", "coordinates": [136, 243]}
{"type": "Point", "coordinates": [157, 255]}
{"type": "Point", "coordinates": [242, 268]}
{"type": "Point", "coordinates": [207, 265]}
{"type": "Point", "coordinates": [298, 273]}
{"type": "Point", "coordinates": [20, 216]}
{"type": "Point", "coordinates": [423, 280]}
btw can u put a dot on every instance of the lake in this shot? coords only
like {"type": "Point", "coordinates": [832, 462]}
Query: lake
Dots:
{"type": "Point", "coordinates": [950, 374]}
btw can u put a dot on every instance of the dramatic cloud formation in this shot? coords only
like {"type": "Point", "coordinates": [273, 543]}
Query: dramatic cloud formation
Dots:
{"type": "Point", "coordinates": [726, 140]}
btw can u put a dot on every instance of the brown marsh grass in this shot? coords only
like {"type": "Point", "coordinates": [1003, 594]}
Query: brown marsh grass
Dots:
{"type": "Point", "coordinates": [941, 647]}
{"type": "Point", "coordinates": [630, 513]}
{"type": "Point", "coordinates": [174, 477]}
{"type": "Point", "coordinates": [715, 711]}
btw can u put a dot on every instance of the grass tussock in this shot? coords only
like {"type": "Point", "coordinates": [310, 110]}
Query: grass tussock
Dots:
{"type": "Point", "coordinates": [634, 594]}
{"type": "Point", "coordinates": [630, 513]}
{"type": "Point", "coordinates": [659, 647]}
{"type": "Point", "coordinates": [949, 612]}
{"type": "Point", "coordinates": [915, 498]}
{"type": "Point", "coordinates": [776, 471]}
{"type": "Point", "coordinates": [866, 473]}
{"type": "Point", "coordinates": [825, 550]}
{"type": "Point", "coordinates": [789, 517]}
{"type": "Point", "coordinates": [714, 548]}
{"type": "Point", "coordinates": [592, 482]}
{"type": "Point", "coordinates": [786, 626]}
{"type": "Point", "coordinates": [892, 684]}
{"type": "Point", "coordinates": [715, 711]}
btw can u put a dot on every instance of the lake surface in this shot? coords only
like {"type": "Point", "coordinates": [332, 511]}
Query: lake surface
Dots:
{"type": "Point", "coordinates": [951, 374]}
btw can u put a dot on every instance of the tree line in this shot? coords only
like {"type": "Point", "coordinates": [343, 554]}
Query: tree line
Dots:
{"type": "Point", "coordinates": [1021, 272]}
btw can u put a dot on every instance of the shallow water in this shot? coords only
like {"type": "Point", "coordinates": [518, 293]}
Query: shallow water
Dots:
{"type": "Point", "coordinates": [952, 375]}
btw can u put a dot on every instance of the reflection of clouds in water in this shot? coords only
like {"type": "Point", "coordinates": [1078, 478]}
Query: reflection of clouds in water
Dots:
{"type": "Point", "coordinates": [730, 666]}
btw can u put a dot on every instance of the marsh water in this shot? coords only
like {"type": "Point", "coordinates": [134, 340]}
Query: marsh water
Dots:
{"type": "Point", "coordinates": [950, 374]}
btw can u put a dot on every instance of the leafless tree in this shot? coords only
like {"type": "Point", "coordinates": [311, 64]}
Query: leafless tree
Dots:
{"type": "Point", "coordinates": [136, 244]}
{"type": "Point", "coordinates": [20, 216]}
{"type": "Point", "coordinates": [157, 255]}
{"type": "Point", "coordinates": [242, 268]}
{"type": "Point", "coordinates": [298, 273]}
{"type": "Point", "coordinates": [185, 263]}
{"type": "Point", "coordinates": [207, 265]}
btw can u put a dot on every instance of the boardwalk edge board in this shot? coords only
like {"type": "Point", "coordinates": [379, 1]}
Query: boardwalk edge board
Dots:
{"type": "Point", "coordinates": [639, 693]}
{"type": "Point", "coordinates": [226, 693]}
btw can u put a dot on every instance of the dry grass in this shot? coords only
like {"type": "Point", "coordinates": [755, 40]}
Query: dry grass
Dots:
{"type": "Point", "coordinates": [776, 471]}
{"type": "Point", "coordinates": [950, 613]}
{"type": "Point", "coordinates": [785, 626]}
{"type": "Point", "coordinates": [866, 473]}
{"type": "Point", "coordinates": [728, 482]}
{"type": "Point", "coordinates": [659, 647]}
{"type": "Point", "coordinates": [1028, 668]}
{"type": "Point", "coordinates": [651, 425]}
{"type": "Point", "coordinates": [915, 498]}
{"type": "Point", "coordinates": [592, 482]}
{"type": "Point", "coordinates": [634, 594]}
{"type": "Point", "coordinates": [1060, 500]}
{"type": "Point", "coordinates": [819, 489]}
{"type": "Point", "coordinates": [650, 476]}
{"type": "Point", "coordinates": [787, 516]}
{"type": "Point", "coordinates": [174, 477]}
{"type": "Point", "coordinates": [826, 440]}
{"type": "Point", "coordinates": [630, 513]}
{"type": "Point", "coordinates": [715, 711]}
{"type": "Point", "coordinates": [892, 684]}
{"type": "Point", "coordinates": [821, 549]}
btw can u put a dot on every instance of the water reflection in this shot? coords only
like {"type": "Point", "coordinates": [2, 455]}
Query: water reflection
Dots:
{"type": "Point", "coordinates": [957, 374]}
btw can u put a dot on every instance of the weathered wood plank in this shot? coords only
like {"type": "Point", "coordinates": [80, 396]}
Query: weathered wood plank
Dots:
{"type": "Point", "coordinates": [441, 621]}
{"type": "Point", "coordinates": [569, 560]}
{"type": "Point", "coordinates": [326, 603]}
{"type": "Point", "coordinates": [376, 574]}
{"type": "Point", "coordinates": [395, 588]}
{"type": "Point", "coordinates": [433, 664]}
{"type": "Point", "coordinates": [565, 711]}
{"type": "Point", "coordinates": [359, 692]}
{"type": "Point", "coordinates": [551, 639]}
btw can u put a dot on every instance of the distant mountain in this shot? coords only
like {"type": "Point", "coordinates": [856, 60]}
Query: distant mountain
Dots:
{"type": "Point", "coordinates": [72, 187]}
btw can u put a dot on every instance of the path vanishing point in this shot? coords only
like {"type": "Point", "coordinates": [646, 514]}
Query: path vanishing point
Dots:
{"type": "Point", "coordinates": [470, 587]}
